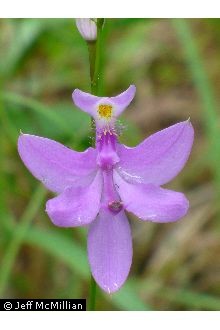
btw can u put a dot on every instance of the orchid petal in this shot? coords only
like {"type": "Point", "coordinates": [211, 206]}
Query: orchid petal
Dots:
{"type": "Point", "coordinates": [57, 166]}
{"type": "Point", "coordinates": [110, 249]}
{"type": "Point", "coordinates": [89, 103]}
{"type": "Point", "coordinates": [149, 202]}
{"type": "Point", "coordinates": [160, 157]}
{"type": "Point", "coordinates": [122, 100]}
{"type": "Point", "coordinates": [85, 101]}
{"type": "Point", "coordinates": [76, 206]}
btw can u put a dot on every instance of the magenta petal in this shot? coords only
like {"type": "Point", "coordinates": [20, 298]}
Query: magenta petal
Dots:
{"type": "Point", "coordinates": [85, 101]}
{"type": "Point", "coordinates": [160, 157]}
{"type": "Point", "coordinates": [57, 166]}
{"type": "Point", "coordinates": [110, 250]}
{"type": "Point", "coordinates": [122, 100]}
{"type": "Point", "coordinates": [76, 206]}
{"type": "Point", "coordinates": [149, 202]}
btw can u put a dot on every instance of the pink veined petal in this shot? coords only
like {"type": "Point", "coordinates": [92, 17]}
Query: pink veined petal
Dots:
{"type": "Point", "coordinates": [110, 249]}
{"type": "Point", "coordinates": [89, 103]}
{"type": "Point", "coordinates": [76, 206]}
{"type": "Point", "coordinates": [149, 202]}
{"type": "Point", "coordinates": [57, 166]}
{"type": "Point", "coordinates": [160, 157]}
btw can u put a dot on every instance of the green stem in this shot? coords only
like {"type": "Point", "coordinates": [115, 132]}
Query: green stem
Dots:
{"type": "Point", "coordinates": [93, 288]}
{"type": "Point", "coordinates": [92, 57]}
{"type": "Point", "coordinates": [95, 55]}
{"type": "Point", "coordinates": [18, 236]}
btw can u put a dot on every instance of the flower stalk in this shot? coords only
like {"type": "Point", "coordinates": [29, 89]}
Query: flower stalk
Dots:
{"type": "Point", "coordinates": [95, 54]}
{"type": "Point", "coordinates": [95, 49]}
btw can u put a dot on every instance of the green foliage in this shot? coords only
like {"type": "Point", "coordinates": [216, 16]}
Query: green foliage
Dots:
{"type": "Point", "coordinates": [204, 88]}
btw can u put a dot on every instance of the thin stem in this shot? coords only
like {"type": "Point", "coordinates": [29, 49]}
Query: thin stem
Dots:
{"type": "Point", "coordinates": [95, 59]}
{"type": "Point", "coordinates": [92, 57]}
{"type": "Point", "coordinates": [95, 54]}
{"type": "Point", "coordinates": [93, 288]}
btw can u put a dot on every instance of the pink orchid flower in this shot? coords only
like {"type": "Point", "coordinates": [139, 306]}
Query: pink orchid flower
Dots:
{"type": "Point", "coordinates": [97, 186]}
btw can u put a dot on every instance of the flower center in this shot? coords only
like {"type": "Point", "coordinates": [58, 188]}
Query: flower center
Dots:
{"type": "Point", "coordinates": [105, 111]}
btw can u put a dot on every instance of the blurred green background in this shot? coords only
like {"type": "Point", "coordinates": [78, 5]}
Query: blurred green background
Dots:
{"type": "Point", "coordinates": [175, 65]}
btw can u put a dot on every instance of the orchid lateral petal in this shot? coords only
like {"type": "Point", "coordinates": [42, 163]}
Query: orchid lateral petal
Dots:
{"type": "Point", "coordinates": [149, 202]}
{"type": "Point", "coordinates": [57, 166]}
{"type": "Point", "coordinates": [76, 206]}
{"type": "Point", "coordinates": [110, 250]}
{"type": "Point", "coordinates": [85, 101]}
{"type": "Point", "coordinates": [123, 100]}
{"type": "Point", "coordinates": [159, 158]}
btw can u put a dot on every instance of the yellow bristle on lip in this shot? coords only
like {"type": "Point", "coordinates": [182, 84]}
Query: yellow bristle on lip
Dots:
{"type": "Point", "coordinates": [105, 111]}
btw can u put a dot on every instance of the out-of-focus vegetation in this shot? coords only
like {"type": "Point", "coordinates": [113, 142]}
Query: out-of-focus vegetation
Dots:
{"type": "Point", "coordinates": [175, 66]}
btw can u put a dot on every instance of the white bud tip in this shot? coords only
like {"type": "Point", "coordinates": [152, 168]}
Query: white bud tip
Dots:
{"type": "Point", "coordinates": [87, 28]}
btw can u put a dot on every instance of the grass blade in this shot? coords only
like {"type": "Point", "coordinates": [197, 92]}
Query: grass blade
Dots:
{"type": "Point", "coordinates": [18, 236]}
{"type": "Point", "coordinates": [204, 88]}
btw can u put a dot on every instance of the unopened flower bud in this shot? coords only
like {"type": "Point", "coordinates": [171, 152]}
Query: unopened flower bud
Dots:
{"type": "Point", "coordinates": [87, 28]}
